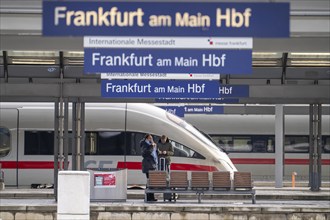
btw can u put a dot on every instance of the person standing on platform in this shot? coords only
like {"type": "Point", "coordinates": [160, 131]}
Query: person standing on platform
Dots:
{"type": "Point", "coordinates": [150, 159]}
{"type": "Point", "coordinates": [165, 150]}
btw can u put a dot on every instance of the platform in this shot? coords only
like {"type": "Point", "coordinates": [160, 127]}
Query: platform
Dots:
{"type": "Point", "coordinates": [272, 203]}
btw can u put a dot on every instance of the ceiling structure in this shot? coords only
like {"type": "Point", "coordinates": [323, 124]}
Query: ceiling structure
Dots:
{"type": "Point", "coordinates": [293, 70]}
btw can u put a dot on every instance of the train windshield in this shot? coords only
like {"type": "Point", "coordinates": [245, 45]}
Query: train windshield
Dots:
{"type": "Point", "coordinates": [192, 130]}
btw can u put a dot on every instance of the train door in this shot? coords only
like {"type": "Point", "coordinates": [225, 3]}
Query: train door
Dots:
{"type": "Point", "coordinates": [8, 145]}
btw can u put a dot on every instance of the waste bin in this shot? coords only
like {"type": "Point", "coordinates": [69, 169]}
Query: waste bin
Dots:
{"type": "Point", "coordinates": [108, 185]}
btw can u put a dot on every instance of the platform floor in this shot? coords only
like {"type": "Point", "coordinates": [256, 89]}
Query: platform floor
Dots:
{"type": "Point", "coordinates": [269, 194]}
{"type": "Point", "coordinates": [272, 203]}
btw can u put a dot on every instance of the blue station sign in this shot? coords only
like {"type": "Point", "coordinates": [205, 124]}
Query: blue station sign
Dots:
{"type": "Point", "coordinates": [203, 109]}
{"type": "Point", "coordinates": [107, 18]}
{"type": "Point", "coordinates": [227, 91]}
{"type": "Point", "coordinates": [115, 60]}
{"type": "Point", "coordinates": [159, 89]}
{"type": "Point", "coordinates": [175, 110]}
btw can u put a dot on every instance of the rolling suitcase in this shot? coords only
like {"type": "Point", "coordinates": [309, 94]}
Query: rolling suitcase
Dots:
{"type": "Point", "coordinates": [162, 167]}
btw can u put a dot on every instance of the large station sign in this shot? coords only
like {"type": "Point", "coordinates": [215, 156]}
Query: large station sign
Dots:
{"type": "Point", "coordinates": [167, 55]}
{"type": "Point", "coordinates": [108, 18]}
{"type": "Point", "coordinates": [167, 61]}
{"type": "Point", "coordinates": [159, 89]}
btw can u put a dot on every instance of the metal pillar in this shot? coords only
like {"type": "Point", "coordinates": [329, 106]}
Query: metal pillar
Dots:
{"type": "Point", "coordinates": [74, 136]}
{"type": "Point", "coordinates": [315, 143]}
{"type": "Point", "coordinates": [78, 131]}
{"type": "Point", "coordinates": [66, 134]}
{"type": "Point", "coordinates": [56, 137]}
{"type": "Point", "coordinates": [279, 145]}
{"type": "Point", "coordinates": [82, 136]}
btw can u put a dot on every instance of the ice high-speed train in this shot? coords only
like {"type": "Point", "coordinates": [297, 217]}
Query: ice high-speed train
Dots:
{"type": "Point", "coordinates": [249, 141]}
{"type": "Point", "coordinates": [112, 135]}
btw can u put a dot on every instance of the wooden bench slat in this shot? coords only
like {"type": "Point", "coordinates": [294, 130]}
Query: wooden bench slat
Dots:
{"type": "Point", "coordinates": [179, 179]}
{"type": "Point", "coordinates": [221, 180]}
{"type": "Point", "coordinates": [199, 179]}
{"type": "Point", "coordinates": [157, 179]}
{"type": "Point", "coordinates": [242, 180]}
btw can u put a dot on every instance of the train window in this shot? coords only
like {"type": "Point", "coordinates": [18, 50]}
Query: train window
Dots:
{"type": "Point", "coordinates": [111, 143]}
{"type": "Point", "coordinates": [90, 143]}
{"type": "Point", "coordinates": [183, 151]}
{"type": "Point", "coordinates": [39, 143]}
{"type": "Point", "coordinates": [326, 145]}
{"type": "Point", "coordinates": [260, 144]}
{"type": "Point", "coordinates": [271, 145]}
{"type": "Point", "coordinates": [192, 130]}
{"type": "Point", "coordinates": [5, 145]}
{"type": "Point", "coordinates": [296, 144]}
{"type": "Point", "coordinates": [234, 143]}
{"type": "Point", "coordinates": [133, 143]}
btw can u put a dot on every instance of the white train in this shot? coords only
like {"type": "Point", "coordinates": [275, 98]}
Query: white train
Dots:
{"type": "Point", "coordinates": [249, 141]}
{"type": "Point", "coordinates": [27, 140]}
{"type": "Point", "coordinates": [113, 132]}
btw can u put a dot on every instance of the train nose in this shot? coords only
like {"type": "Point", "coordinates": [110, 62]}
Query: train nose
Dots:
{"type": "Point", "coordinates": [227, 165]}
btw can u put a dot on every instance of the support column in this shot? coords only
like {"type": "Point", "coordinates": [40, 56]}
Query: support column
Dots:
{"type": "Point", "coordinates": [56, 137]}
{"type": "Point", "coordinates": [66, 135]}
{"type": "Point", "coordinates": [78, 131]}
{"type": "Point", "coordinates": [82, 136]}
{"type": "Point", "coordinates": [74, 136]}
{"type": "Point", "coordinates": [315, 143]}
{"type": "Point", "coordinates": [279, 145]}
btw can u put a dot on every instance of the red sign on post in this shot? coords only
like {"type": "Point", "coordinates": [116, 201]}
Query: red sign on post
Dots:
{"type": "Point", "coordinates": [105, 179]}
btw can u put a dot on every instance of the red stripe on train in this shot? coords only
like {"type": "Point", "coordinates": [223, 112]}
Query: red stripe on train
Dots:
{"type": "Point", "coordinates": [27, 164]}
{"type": "Point", "coordinates": [129, 165]}
{"type": "Point", "coordinates": [174, 166]}
{"type": "Point", "coordinates": [272, 161]}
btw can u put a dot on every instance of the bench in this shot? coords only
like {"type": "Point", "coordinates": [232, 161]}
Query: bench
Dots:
{"type": "Point", "coordinates": [200, 184]}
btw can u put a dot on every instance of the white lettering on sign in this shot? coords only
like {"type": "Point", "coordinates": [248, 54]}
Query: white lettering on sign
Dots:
{"type": "Point", "coordinates": [226, 90]}
{"type": "Point", "coordinates": [180, 61]}
{"type": "Point", "coordinates": [101, 17]}
{"type": "Point", "coordinates": [173, 111]}
{"type": "Point", "coordinates": [122, 60]}
{"type": "Point", "coordinates": [195, 88]}
{"type": "Point", "coordinates": [213, 60]}
{"type": "Point", "coordinates": [208, 109]}
{"type": "Point", "coordinates": [187, 20]}
{"type": "Point", "coordinates": [175, 89]}
{"type": "Point", "coordinates": [233, 18]}
{"type": "Point", "coordinates": [129, 88]}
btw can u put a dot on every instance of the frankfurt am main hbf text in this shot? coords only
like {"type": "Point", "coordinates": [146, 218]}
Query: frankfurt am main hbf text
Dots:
{"type": "Point", "coordinates": [126, 60]}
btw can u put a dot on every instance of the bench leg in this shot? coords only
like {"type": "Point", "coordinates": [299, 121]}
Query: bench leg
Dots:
{"type": "Point", "coordinates": [145, 197]}
{"type": "Point", "coordinates": [253, 198]}
{"type": "Point", "coordinates": [199, 195]}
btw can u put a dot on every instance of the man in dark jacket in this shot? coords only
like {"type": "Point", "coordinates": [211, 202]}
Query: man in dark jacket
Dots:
{"type": "Point", "coordinates": [165, 150]}
{"type": "Point", "coordinates": [150, 160]}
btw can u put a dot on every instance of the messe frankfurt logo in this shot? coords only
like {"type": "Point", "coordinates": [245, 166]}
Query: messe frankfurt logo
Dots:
{"type": "Point", "coordinates": [210, 41]}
